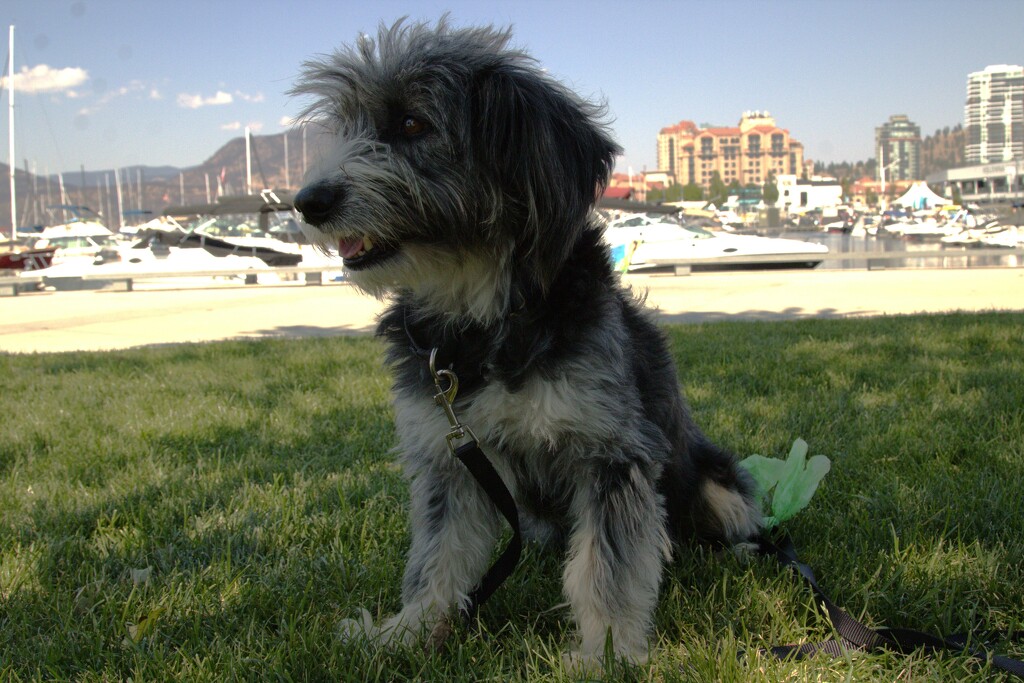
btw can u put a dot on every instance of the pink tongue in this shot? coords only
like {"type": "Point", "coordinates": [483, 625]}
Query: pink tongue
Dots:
{"type": "Point", "coordinates": [350, 248]}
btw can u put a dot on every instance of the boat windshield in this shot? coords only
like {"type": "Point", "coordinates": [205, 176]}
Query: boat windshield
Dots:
{"type": "Point", "coordinates": [642, 219]}
{"type": "Point", "coordinates": [634, 222]}
{"type": "Point", "coordinates": [76, 241]}
{"type": "Point", "coordinates": [698, 232]}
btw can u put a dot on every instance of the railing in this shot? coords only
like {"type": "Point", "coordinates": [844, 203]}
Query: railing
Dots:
{"type": "Point", "coordinates": [12, 285]}
{"type": "Point", "coordinates": [874, 260]}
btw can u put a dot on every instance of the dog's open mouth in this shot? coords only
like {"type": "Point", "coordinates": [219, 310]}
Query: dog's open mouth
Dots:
{"type": "Point", "coordinates": [361, 252]}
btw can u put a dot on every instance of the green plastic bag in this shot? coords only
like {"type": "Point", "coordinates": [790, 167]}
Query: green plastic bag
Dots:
{"type": "Point", "coordinates": [794, 480]}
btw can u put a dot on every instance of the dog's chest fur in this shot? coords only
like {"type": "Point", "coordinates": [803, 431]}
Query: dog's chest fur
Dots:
{"type": "Point", "coordinates": [543, 388]}
{"type": "Point", "coordinates": [532, 436]}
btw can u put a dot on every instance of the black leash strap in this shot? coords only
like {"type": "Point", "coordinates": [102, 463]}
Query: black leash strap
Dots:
{"type": "Point", "coordinates": [855, 635]}
{"type": "Point", "coordinates": [483, 471]}
{"type": "Point", "coordinates": [446, 383]}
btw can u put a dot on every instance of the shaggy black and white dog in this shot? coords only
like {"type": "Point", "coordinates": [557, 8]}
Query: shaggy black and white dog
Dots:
{"type": "Point", "coordinates": [459, 184]}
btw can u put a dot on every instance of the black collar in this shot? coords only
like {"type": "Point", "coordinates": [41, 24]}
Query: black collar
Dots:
{"type": "Point", "coordinates": [464, 350]}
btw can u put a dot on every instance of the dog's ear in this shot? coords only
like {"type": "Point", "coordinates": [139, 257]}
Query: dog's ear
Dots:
{"type": "Point", "coordinates": [549, 157]}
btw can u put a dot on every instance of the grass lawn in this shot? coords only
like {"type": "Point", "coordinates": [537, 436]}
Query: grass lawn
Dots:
{"type": "Point", "coordinates": [211, 512]}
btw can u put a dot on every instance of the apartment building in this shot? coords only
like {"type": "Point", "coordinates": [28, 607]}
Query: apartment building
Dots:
{"type": "Point", "coordinates": [898, 146]}
{"type": "Point", "coordinates": [994, 115]}
{"type": "Point", "coordinates": [748, 153]}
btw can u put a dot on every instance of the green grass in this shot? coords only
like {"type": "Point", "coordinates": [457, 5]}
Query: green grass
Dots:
{"type": "Point", "coordinates": [211, 512]}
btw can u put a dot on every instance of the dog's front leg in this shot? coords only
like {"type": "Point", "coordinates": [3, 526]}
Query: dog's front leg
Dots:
{"type": "Point", "coordinates": [616, 553]}
{"type": "Point", "coordinates": [454, 530]}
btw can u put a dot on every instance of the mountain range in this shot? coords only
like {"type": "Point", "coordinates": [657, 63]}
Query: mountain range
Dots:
{"type": "Point", "coordinates": [152, 188]}
{"type": "Point", "coordinates": [147, 190]}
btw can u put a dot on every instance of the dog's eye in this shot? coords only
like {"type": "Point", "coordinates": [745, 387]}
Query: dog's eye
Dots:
{"type": "Point", "coordinates": [413, 127]}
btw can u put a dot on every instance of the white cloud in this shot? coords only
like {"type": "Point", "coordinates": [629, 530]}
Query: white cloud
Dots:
{"type": "Point", "coordinates": [43, 78]}
{"type": "Point", "coordinates": [190, 101]}
{"type": "Point", "coordinates": [196, 101]}
{"type": "Point", "coordinates": [108, 96]}
{"type": "Point", "coordinates": [254, 127]}
{"type": "Point", "coordinates": [258, 97]}
{"type": "Point", "coordinates": [155, 94]}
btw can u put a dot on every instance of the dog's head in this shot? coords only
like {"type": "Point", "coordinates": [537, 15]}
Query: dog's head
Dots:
{"type": "Point", "coordinates": [458, 170]}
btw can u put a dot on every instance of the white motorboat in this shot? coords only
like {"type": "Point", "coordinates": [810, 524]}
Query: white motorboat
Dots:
{"type": "Point", "coordinates": [78, 240]}
{"type": "Point", "coordinates": [949, 227]}
{"type": "Point", "coordinates": [974, 236]}
{"type": "Point", "coordinates": [928, 229]}
{"type": "Point", "coordinates": [646, 241]}
{"type": "Point", "coordinates": [144, 261]}
{"type": "Point", "coordinates": [1011, 238]}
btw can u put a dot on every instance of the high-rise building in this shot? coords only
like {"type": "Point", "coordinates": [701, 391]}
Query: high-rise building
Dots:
{"type": "Point", "coordinates": [748, 153]}
{"type": "Point", "coordinates": [898, 146]}
{"type": "Point", "coordinates": [994, 115]}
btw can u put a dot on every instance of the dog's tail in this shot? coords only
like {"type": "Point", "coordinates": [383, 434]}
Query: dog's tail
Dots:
{"type": "Point", "coordinates": [710, 497]}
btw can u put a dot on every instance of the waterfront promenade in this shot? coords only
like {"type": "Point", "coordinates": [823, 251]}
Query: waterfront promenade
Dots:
{"type": "Point", "coordinates": [104, 320]}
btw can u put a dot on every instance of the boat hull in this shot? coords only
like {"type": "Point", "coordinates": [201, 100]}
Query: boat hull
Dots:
{"type": "Point", "coordinates": [27, 259]}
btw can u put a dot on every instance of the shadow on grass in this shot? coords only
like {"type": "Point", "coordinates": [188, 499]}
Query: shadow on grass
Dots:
{"type": "Point", "coordinates": [752, 315]}
{"type": "Point", "coordinates": [249, 529]}
{"type": "Point", "coordinates": [308, 331]}
{"type": "Point", "coordinates": [250, 504]}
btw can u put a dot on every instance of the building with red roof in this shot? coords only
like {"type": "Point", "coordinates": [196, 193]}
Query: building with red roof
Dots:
{"type": "Point", "coordinates": [635, 185]}
{"type": "Point", "coordinates": [621, 192]}
{"type": "Point", "coordinates": [865, 188]}
{"type": "Point", "coordinates": [748, 153]}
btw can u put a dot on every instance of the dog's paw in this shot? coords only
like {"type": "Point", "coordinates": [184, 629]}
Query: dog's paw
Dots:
{"type": "Point", "coordinates": [744, 551]}
{"type": "Point", "coordinates": [439, 635]}
{"type": "Point", "coordinates": [358, 629]}
{"type": "Point", "coordinates": [391, 632]}
{"type": "Point", "coordinates": [591, 663]}
{"type": "Point", "coordinates": [580, 664]}
{"type": "Point", "coordinates": [403, 629]}
{"type": "Point", "coordinates": [594, 665]}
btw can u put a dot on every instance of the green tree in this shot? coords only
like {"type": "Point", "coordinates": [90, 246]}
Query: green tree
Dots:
{"type": "Point", "coordinates": [718, 192]}
{"type": "Point", "coordinates": [770, 191]}
{"type": "Point", "coordinates": [672, 193]}
{"type": "Point", "coordinates": [693, 192]}
{"type": "Point", "coordinates": [845, 183]}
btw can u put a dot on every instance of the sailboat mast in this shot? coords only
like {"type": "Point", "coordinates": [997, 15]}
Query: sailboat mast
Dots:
{"type": "Point", "coordinates": [287, 178]}
{"type": "Point", "coordinates": [248, 163]}
{"type": "Point", "coordinates": [120, 199]}
{"type": "Point", "coordinates": [10, 135]}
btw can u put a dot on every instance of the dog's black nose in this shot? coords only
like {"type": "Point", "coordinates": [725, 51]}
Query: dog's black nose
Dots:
{"type": "Point", "coordinates": [319, 202]}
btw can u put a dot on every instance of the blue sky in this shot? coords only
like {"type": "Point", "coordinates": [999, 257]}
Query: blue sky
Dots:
{"type": "Point", "coordinates": [122, 82]}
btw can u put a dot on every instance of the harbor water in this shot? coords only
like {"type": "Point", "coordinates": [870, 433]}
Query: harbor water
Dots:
{"type": "Point", "coordinates": [839, 243]}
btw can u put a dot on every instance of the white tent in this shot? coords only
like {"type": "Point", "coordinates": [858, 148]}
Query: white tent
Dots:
{"type": "Point", "coordinates": [920, 196]}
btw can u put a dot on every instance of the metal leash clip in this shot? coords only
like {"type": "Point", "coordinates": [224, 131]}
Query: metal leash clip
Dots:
{"type": "Point", "coordinates": [445, 397]}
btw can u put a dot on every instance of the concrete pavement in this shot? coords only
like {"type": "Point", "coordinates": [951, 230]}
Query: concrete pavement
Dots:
{"type": "Point", "coordinates": [104, 320]}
